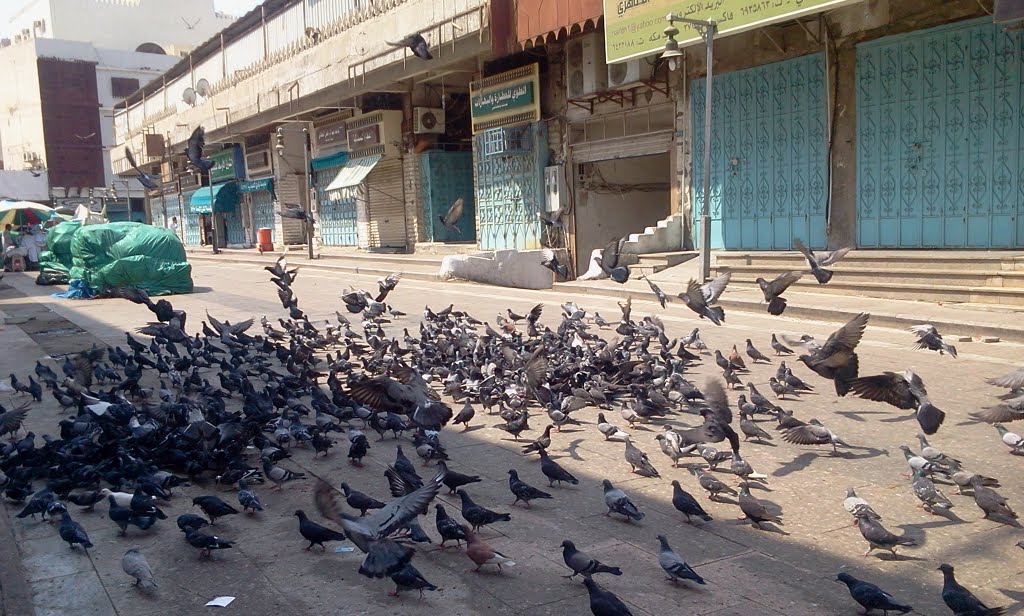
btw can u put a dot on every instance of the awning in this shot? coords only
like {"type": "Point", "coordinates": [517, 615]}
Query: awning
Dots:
{"type": "Point", "coordinates": [225, 198]}
{"type": "Point", "coordinates": [24, 185]}
{"type": "Point", "coordinates": [326, 162]}
{"type": "Point", "coordinates": [353, 173]}
{"type": "Point", "coordinates": [539, 21]}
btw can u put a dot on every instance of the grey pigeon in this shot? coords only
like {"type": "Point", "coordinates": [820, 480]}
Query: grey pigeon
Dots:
{"type": "Point", "coordinates": [929, 338]}
{"type": "Point", "coordinates": [247, 498]}
{"type": "Point", "coordinates": [960, 600]}
{"type": "Point", "coordinates": [603, 602]}
{"type": "Point", "coordinates": [617, 502]}
{"type": "Point", "coordinates": [904, 391]}
{"type": "Point", "coordinates": [639, 461]}
{"type": "Point", "coordinates": [857, 506]}
{"type": "Point", "coordinates": [685, 503]}
{"type": "Point", "coordinates": [134, 564]}
{"type": "Point", "coordinates": [553, 471]}
{"type": "Point", "coordinates": [818, 261]}
{"type": "Point", "coordinates": [871, 597]}
{"type": "Point", "coordinates": [522, 490]}
{"type": "Point", "coordinates": [992, 503]}
{"type": "Point", "coordinates": [879, 537]}
{"type": "Point", "coordinates": [773, 291]}
{"type": "Point", "coordinates": [674, 565]}
{"type": "Point", "coordinates": [409, 578]}
{"type": "Point", "coordinates": [712, 484]}
{"type": "Point", "coordinates": [72, 532]}
{"type": "Point", "coordinates": [929, 495]}
{"type": "Point", "coordinates": [754, 354]}
{"type": "Point", "coordinates": [754, 510]}
{"type": "Point", "coordinates": [581, 563]}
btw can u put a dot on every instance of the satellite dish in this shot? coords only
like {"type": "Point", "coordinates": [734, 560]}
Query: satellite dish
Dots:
{"type": "Point", "coordinates": [189, 96]}
{"type": "Point", "coordinates": [203, 88]}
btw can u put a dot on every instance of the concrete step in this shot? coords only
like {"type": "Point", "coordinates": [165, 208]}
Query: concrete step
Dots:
{"type": "Point", "coordinates": [896, 276]}
{"type": "Point", "coordinates": [654, 262]}
{"type": "Point", "coordinates": [905, 291]}
{"type": "Point", "coordinates": [933, 260]}
{"type": "Point", "coordinates": [411, 269]}
{"type": "Point", "coordinates": [429, 249]}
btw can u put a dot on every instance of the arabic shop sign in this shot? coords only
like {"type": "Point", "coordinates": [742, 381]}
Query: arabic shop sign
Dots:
{"type": "Point", "coordinates": [226, 165]}
{"type": "Point", "coordinates": [635, 28]}
{"type": "Point", "coordinates": [505, 99]}
{"type": "Point", "coordinates": [332, 135]}
{"type": "Point", "coordinates": [249, 186]}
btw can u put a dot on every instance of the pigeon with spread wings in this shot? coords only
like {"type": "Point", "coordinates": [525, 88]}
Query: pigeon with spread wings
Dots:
{"type": "Point", "coordinates": [610, 260]}
{"type": "Point", "coordinates": [144, 178]}
{"type": "Point", "coordinates": [451, 219]}
{"type": "Point", "coordinates": [836, 360]}
{"type": "Point", "coordinates": [904, 391]}
{"type": "Point", "coordinates": [773, 291]}
{"type": "Point", "coordinates": [818, 261]}
{"type": "Point", "coordinates": [699, 298]}
{"type": "Point", "coordinates": [416, 44]}
{"type": "Point", "coordinates": [194, 151]}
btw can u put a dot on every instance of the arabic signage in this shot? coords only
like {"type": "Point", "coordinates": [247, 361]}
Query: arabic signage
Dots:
{"type": "Point", "coordinates": [505, 99]}
{"type": "Point", "coordinates": [331, 135]}
{"type": "Point", "coordinates": [249, 186]}
{"type": "Point", "coordinates": [227, 165]}
{"type": "Point", "coordinates": [635, 28]}
{"type": "Point", "coordinates": [364, 137]}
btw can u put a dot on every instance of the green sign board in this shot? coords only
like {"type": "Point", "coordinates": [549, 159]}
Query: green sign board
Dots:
{"type": "Point", "coordinates": [225, 165]}
{"type": "Point", "coordinates": [249, 186]}
{"type": "Point", "coordinates": [635, 28]}
{"type": "Point", "coordinates": [503, 99]}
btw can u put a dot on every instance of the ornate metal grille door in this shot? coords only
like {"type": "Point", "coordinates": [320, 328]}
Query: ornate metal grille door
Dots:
{"type": "Point", "coordinates": [233, 227]}
{"type": "Point", "coordinates": [337, 217]}
{"type": "Point", "coordinates": [509, 176]}
{"type": "Point", "coordinates": [263, 211]}
{"type": "Point", "coordinates": [939, 132]}
{"type": "Point", "coordinates": [768, 156]}
{"type": "Point", "coordinates": [190, 221]}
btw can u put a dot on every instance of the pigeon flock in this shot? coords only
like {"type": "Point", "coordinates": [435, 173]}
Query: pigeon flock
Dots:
{"type": "Point", "coordinates": [230, 406]}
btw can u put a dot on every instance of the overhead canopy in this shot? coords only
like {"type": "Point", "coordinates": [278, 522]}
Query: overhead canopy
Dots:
{"type": "Point", "coordinates": [538, 21]}
{"type": "Point", "coordinates": [353, 173]}
{"type": "Point", "coordinates": [225, 199]}
{"type": "Point", "coordinates": [30, 185]}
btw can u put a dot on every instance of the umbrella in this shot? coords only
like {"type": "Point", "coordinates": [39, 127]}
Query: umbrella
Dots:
{"type": "Point", "coordinates": [24, 213]}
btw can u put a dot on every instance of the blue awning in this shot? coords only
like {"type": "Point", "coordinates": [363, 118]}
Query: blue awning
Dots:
{"type": "Point", "coordinates": [225, 199]}
{"type": "Point", "coordinates": [326, 162]}
{"type": "Point", "coordinates": [353, 173]}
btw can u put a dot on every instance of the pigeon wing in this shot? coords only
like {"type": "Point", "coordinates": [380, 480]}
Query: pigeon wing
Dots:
{"type": "Point", "coordinates": [454, 212]}
{"type": "Point", "coordinates": [887, 387]}
{"type": "Point", "coordinates": [842, 342]}
{"type": "Point", "coordinates": [714, 289]}
{"type": "Point", "coordinates": [778, 286]}
{"type": "Point", "coordinates": [399, 512]}
{"type": "Point", "coordinates": [717, 401]}
{"type": "Point", "coordinates": [805, 251]}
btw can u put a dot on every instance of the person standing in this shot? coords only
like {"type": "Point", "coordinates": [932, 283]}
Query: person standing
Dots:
{"type": "Point", "coordinates": [173, 225]}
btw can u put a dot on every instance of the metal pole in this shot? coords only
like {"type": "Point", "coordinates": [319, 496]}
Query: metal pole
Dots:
{"type": "Point", "coordinates": [309, 196]}
{"type": "Point", "coordinates": [213, 218]}
{"type": "Point", "coordinates": [705, 215]}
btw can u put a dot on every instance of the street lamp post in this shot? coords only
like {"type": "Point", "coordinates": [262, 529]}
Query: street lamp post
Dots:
{"type": "Point", "coordinates": [707, 31]}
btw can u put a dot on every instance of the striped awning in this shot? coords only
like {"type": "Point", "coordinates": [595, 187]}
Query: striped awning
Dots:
{"type": "Point", "coordinates": [542, 21]}
{"type": "Point", "coordinates": [352, 174]}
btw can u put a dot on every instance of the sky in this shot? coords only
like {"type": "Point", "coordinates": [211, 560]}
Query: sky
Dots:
{"type": "Point", "coordinates": [232, 7]}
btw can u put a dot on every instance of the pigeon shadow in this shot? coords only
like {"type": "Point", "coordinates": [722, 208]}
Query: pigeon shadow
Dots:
{"type": "Point", "coordinates": [763, 443]}
{"type": "Point", "coordinates": [899, 419]}
{"type": "Point", "coordinates": [916, 532]}
{"type": "Point", "coordinates": [798, 463]}
{"type": "Point", "coordinates": [858, 415]}
{"type": "Point", "coordinates": [473, 429]}
{"type": "Point", "coordinates": [897, 557]}
{"type": "Point", "coordinates": [869, 452]}
{"type": "Point", "coordinates": [1005, 520]}
{"type": "Point", "coordinates": [1018, 598]}
{"type": "Point", "coordinates": [947, 514]}
{"type": "Point", "coordinates": [573, 450]}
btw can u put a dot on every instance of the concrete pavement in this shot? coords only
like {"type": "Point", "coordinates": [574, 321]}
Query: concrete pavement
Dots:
{"type": "Point", "coordinates": [748, 571]}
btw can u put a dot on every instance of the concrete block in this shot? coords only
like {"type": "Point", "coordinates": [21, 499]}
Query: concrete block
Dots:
{"type": "Point", "coordinates": [519, 269]}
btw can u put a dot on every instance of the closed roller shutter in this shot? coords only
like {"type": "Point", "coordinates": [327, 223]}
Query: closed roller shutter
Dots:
{"type": "Point", "coordinates": [624, 147]}
{"type": "Point", "coordinates": [289, 190]}
{"type": "Point", "coordinates": [386, 204]}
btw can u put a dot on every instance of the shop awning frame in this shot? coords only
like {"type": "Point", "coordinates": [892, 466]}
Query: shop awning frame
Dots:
{"type": "Point", "coordinates": [352, 175]}
{"type": "Point", "coordinates": [225, 199]}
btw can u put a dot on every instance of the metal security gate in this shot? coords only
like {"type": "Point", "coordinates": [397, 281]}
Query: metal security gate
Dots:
{"type": "Point", "coordinates": [445, 177]}
{"type": "Point", "coordinates": [289, 191]}
{"type": "Point", "coordinates": [939, 133]}
{"type": "Point", "coordinates": [337, 216]}
{"type": "Point", "coordinates": [509, 164]}
{"type": "Point", "coordinates": [385, 196]}
{"type": "Point", "coordinates": [769, 156]}
{"type": "Point", "coordinates": [156, 211]}
{"type": "Point", "coordinates": [262, 203]}
{"type": "Point", "coordinates": [234, 228]}
{"type": "Point", "coordinates": [190, 221]}
{"type": "Point", "coordinates": [623, 147]}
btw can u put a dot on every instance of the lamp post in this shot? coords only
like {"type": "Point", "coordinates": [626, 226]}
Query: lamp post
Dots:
{"type": "Point", "coordinates": [672, 54]}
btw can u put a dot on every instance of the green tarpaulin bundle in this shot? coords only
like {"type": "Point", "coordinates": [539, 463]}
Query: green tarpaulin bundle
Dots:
{"type": "Point", "coordinates": [130, 254]}
{"type": "Point", "coordinates": [56, 258]}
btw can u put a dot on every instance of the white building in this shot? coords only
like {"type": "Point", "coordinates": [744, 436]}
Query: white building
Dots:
{"type": "Point", "coordinates": [161, 26]}
{"type": "Point", "coordinates": [66, 64]}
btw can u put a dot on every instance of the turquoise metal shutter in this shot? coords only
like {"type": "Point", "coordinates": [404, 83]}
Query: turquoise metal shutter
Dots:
{"type": "Point", "coordinates": [337, 211]}
{"type": "Point", "coordinates": [769, 155]}
{"type": "Point", "coordinates": [509, 174]}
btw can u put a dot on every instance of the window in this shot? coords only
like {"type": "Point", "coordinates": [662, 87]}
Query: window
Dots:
{"type": "Point", "coordinates": [121, 87]}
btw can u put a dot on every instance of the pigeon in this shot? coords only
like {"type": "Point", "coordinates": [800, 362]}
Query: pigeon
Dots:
{"type": "Point", "coordinates": [580, 563]}
{"type": "Point", "coordinates": [553, 471]}
{"type": "Point", "coordinates": [247, 498]}
{"type": "Point", "coordinates": [773, 291]}
{"type": "Point", "coordinates": [464, 416]}
{"type": "Point", "coordinates": [638, 460]}
{"type": "Point", "coordinates": [409, 578]}
{"type": "Point", "coordinates": [194, 151]}
{"type": "Point", "coordinates": [779, 348]}
{"type": "Point", "coordinates": [904, 391]}
{"type": "Point", "coordinates": [417, 45]}
{"type": "Point", "coordinates": [144, 178]}
{"type": "Point", "coordinates": [609, 430]}
{"type": "Point", "coordinates": [1013, 380]}
{"type": "Point", "coordinates": [1011, 439]}
{"type": "Point", "coordinates": [279, 475]}
{"type": "Point", "coordinates": [752, 430]}
{"type": "Point", "coordinates": [541, 443]}
{"type": "Point", "coordinates": [359, 501]}
{"type": "Point", "coordinates": [754, 510]}
{"type": "Point", "coordinates": [754, 354]}
{"type": "Point", "coordinates": [451, 219]}
{"type": "Point", "coordinates": [479, 516]}
{"type": "Point", "coordinates": [453, 480]}
{"type": "Point", "coordinates": [603, 602]}
{"type": "Point", "coordinates": [610, 261]}
{"type": "Point", "coordinates": [316, 534]}
{"type": "Point", "coordinates": [674, 565]}
{"type": "Point", "coordinates": [992, 503]}
{"type": "Point", "coordinates": [930, 496]}
{"type": "Point", "coordinates": [213, 507]}
{"type": "Point", "coordinates": [617, 502]}
{"type": "Point", "coordinates": [483, 554]}
{"type": "Point", "coordinates": [72, 532]}
{"type": "Point", "coordinates": [871, 597]}
{"type": "Point", "coordinates": [857, 506]}
{"type": "Point", "coordinates": [812, 433]}
{"type": "Point", "coordinates": [836, 359]}
{"type": "Point", "coordinates": [550, 260]}
{"type": "Point", "coordinates": [878, 537]}
{"type": "Point", "coordinates": [191, 520]}
{"type": "Point", "coordinates": [658, 293]}
{"type": "Point", "coordinates": [929, 338]}
{"type": "Point", "coordinates": [134, 564]}
{"type": "Point", "coordinates": [712, 484]}
{"type": "Point", "coordinates": [960, 600]}
{"type": "Point", "coordinates": [962, 478]}
{"type": "Point", "coordinates": [818, 261]}
{"type": "Point", "coordinates": [522, 490]}
{"type": "Point", "coordinates": [206, 543]}
{"type": "Point", "coordinates": [700, 298]}
{"type": "Point", "coordinates": [449, 529]}
{"type": "Point", "coordinates": [685, 503]}
{"type": "Point", "coordinates": [934, 455]}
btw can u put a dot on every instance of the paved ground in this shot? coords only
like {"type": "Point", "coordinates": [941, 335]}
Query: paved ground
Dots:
{"type": "Point", "coordinates": [750, 572]}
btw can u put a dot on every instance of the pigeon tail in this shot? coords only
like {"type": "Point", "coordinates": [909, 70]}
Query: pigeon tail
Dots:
{"type": "Point", "coordinates": [777, 306]}
{"type": "Point", "coordinates": [930, 417]}
{"type": "Point", "coordinates": [716, 314]}
{"type": "Point", "coordinates": [821, 275]}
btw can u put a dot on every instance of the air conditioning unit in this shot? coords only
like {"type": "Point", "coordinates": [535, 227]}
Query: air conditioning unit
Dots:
{"type": "Point", "coordinates": [629, 73]}
{"type": "Point", "coordinates": [428, 120]}
{"type": "Point", "coordinates": [555, 191]}
{"type": "Point", "coordinates": [585, 71]}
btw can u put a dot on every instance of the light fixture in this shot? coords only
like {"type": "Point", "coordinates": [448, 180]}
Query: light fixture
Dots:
{"type": "Point", "coordinates": [672, 53]}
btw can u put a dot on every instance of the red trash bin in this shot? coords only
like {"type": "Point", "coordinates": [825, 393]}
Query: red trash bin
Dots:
{"type": "Point", "coordinates": [263, 235]}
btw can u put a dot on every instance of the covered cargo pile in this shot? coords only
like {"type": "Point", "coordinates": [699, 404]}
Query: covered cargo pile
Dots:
{"type": "Point", "coordinates": [130, 254]}
{"type": "Point", "coordinates": [55, 261]}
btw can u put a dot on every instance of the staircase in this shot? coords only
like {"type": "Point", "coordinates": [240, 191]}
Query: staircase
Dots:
{"type": "Point", "coordinates": [654, 249]}
{"type": "Point", "coordinates": [979, 277]}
